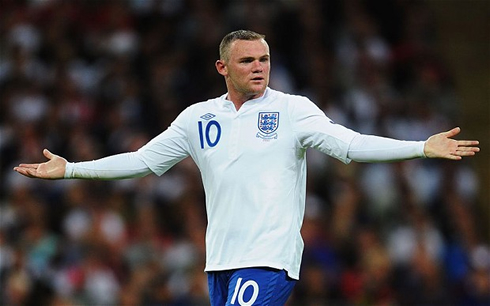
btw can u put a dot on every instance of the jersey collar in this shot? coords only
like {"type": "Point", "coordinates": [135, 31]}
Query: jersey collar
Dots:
{"type": "Point", "coordinates": [249, 103]}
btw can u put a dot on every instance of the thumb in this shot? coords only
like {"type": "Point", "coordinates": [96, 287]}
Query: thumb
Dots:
{"type": "Point", "coordinates": [48, 154]}
{"type": "Point", "coordinates": [453, 132]}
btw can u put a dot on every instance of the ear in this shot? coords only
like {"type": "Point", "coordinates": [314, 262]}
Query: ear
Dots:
{"type": "Point", "coordinates": [221, 67]}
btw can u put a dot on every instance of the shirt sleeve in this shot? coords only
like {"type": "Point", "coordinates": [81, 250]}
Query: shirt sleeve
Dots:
{"type": "Point", "coordinates": [157, 156]}
{"type": "Point", "coordinates": [369, 148]}
{"type": "Point", "coordinates": [314, 129]}
{"type": "Point", "coordinates": [120, 166]}
{"type": "Point", "coordinates": [168, 148]}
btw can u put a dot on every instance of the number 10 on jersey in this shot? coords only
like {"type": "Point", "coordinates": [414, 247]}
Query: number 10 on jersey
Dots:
{"type": "Point", "coordinates": [211, 133]}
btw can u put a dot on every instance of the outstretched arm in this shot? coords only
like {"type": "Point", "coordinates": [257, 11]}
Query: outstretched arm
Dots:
{"type": "Point", "coordinates": [157, 156]}
{"type": "Point", "coordinates": [119, 166]}
{"type": "Point", "coordinates": [369, 148]}
{"type": "Point", "coordinates": [443, 146]}
{"type": "Point", "coordinates": [54, 168]}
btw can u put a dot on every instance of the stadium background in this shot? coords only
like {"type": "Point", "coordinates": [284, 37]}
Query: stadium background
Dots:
{"type": "Point", "coordinates": [92, 78]}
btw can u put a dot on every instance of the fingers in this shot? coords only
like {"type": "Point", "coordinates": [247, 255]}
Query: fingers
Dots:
{"type": "Point", "coordinates": [453, 132]}
{"type": "Point", "coordinates": [467, 143]}
{"type": "Point", "coordinates": [48, 154]}
{"type": "Point", "coordinates": [29, 172]}
{"type": "Point", "coordinates": [467, 151]}
{"type": "Point", "coordinates": [463, 151]}
{"type": "Point", "coordinates": [48, 170]}
{"type": "Point", "coordinates": [33, 166]}
{"type": "Point", "coordinates": [454, 157]}
{"type": "Point", "coordinates": [27, 169]}
{"type": "Point", "coordinates": [464, 147]}
{"type": "Point", "coordinates": [467, 148]}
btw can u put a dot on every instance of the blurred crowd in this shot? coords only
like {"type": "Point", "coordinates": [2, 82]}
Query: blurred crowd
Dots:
{"type": "Point", "coordinates": [91, 78]}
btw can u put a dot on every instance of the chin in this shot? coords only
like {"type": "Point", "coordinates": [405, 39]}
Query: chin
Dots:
{"type": "Point", "coordinates": [258, 89]}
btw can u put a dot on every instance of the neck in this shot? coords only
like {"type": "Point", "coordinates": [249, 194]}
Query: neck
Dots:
{"type": "Point", "coordinates": [239, 99]}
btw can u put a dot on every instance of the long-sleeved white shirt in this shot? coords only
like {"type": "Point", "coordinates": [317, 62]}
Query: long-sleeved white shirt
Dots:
{"type": "Point", "coordinates": [253, 167]}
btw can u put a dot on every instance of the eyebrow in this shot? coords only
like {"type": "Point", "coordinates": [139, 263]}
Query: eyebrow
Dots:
{"type": "Point", "coordinates": [253, 58]}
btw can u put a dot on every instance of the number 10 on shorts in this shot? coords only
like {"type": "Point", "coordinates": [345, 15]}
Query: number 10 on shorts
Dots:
{"type": "Point", "coordinates": [240, 292]}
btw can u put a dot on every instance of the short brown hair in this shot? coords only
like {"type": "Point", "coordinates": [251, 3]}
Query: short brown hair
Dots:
{"type": "Point", "coordinates": [224, 46]}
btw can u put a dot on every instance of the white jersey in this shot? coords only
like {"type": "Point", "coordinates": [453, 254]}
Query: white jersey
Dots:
{"type": "Point", "coordinates": [253, 168]}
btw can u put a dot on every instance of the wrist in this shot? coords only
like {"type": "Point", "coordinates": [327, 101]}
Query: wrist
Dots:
{"type": "Point", "coordinates": [68, 170]}
{"type": "Point", "coordinates": [424, 145]}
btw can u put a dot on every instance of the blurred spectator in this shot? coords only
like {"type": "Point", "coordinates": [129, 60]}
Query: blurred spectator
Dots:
{"type": "Point", "coordinates": [94, 78]}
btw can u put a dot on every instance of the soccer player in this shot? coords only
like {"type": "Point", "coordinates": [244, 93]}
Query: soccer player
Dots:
{"type": "Point", "coordinates": [250, 145]}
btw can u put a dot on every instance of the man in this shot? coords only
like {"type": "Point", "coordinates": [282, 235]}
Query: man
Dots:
{"type": "Point", "coordinates": [250, 145]}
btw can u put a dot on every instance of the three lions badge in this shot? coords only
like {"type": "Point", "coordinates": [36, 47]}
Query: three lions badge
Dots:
{"type": "Point", "coordinates": [268, 123]}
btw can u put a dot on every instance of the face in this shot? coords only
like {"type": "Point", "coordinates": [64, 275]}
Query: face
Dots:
{"type": "Point", "coordinates": [247, 69]}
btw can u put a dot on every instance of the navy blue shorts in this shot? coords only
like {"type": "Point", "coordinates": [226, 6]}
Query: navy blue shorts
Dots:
{"type": "Point", "coordinates": [249, 286]}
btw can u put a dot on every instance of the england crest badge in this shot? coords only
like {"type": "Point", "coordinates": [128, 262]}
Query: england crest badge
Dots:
{"type": "Point", "coordinates": [268, 124]}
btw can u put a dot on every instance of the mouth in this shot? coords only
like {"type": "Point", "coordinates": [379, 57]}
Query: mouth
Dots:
{"type": "Point", "coordinates": [257, 79]}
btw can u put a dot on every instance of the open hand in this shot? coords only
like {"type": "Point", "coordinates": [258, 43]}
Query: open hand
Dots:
{"type": "Point", "coordinates": [54, 168]}
{"type": "Point", "coordinates": [443, 146]}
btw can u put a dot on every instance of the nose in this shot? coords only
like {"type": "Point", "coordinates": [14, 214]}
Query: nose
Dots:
{"type": "Point", "coordinates": [257, 66]}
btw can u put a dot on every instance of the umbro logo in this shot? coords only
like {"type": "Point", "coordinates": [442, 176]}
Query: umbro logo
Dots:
{"type": "Point", "coordinates": [208, 116]}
